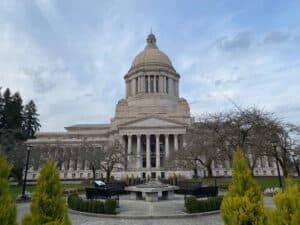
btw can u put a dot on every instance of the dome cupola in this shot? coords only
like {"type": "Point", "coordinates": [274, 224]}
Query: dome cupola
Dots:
{"type": "Point", "coordinates": [151, 75]}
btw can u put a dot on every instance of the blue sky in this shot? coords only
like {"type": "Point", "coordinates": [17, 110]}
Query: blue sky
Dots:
{"type": "Point", "coordinates": [71, 56]}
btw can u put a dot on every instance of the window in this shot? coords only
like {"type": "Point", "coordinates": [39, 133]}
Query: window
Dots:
{"type": "Point", "coordinates": [157, 84]}
{"type": "Point", "coordinates": [146, 84]}
{"type": "Point", "coordinates": [162, 174]}
{"type": "Point", "coordinates": [153, 175]}
{"type": "Point", "coordinates": [151, 84]}
{"type": "Point", "coordinates": [89, 175]}
{"type": "Point", "coordinates": [167, 84]}
{"type": "Point", "coordinates": [65, 175]}
{"type": "Point", "coordinates": [33, 176]}
{"type": "Point", "coordinates": [73, 175]}
{"type": "Point", "coordinates": [144, 175]}
{"type": "Point", "coordinates": [136, 86]}
{"type": "Point", "coordinates": [81, 175]}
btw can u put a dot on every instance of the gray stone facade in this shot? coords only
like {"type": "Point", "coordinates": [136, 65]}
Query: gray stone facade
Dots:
{"type": "Point", "coordinates": [150, 122]}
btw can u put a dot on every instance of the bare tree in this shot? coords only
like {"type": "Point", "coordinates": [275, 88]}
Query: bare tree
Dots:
{"type": "Point", "coordinates": [105, 156]}
{"type": "Point", "coordinates": [199, 151]}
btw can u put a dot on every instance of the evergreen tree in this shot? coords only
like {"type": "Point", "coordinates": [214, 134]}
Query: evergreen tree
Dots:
{"type": "Point", "coordinates": [31, 121]}
{"type": "Point", "coordinates": [47, 205]}
{"type": "Point", "coordinates": [8, 213]}
{"type": "Point", "coordinates": [1, 110]}
{"type": "Point", "coordinates": [6, 108]}
{"type": "Point", "coordinates": [243, 203]}
{"type": "Point", "coordinates": [287, 204]}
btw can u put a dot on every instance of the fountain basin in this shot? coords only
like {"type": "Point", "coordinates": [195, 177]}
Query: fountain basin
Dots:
{"type": "Point", "coordinates": [151, 191]}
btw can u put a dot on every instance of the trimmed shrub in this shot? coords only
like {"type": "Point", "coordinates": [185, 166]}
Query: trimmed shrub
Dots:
{"type": "Point", "coordinates": [110, 206]}
{"type": "Point", "coordinates": [8, 213]}
{"type": "Point", "coordinates": [76, 203]}
{"type": "Point", "coordinates": [47, 205]}
{"type": "Point", "coordinates": [243, 203]}
{"type": "Point", "coordinates": [193, 205]}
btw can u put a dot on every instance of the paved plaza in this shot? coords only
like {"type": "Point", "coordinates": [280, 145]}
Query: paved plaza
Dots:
{"type": "Point", "coordinates": [140, 209]}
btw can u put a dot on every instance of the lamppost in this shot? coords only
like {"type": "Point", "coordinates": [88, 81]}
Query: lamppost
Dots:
{"type": "Point", "coordinates": [274, 142]}
{"type": "Point", "coordinates": [24, 196]}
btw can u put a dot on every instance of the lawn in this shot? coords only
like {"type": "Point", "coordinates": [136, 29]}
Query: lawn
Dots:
{"type": "Point", "coordinates": [264, 182]}
{"type": "Point", "coordinates": [17, 190]}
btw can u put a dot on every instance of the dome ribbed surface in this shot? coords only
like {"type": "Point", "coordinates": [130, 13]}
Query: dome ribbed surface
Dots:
{"type": "Point", "coordinates": [151, 54]}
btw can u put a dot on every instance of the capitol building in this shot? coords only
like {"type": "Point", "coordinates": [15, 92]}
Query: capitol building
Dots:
{"type": "Point", "coordinates": [150, 121]}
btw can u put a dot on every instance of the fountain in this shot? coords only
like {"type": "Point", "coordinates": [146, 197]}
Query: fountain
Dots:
{"type": "Point", "coordinates": [151, 191]}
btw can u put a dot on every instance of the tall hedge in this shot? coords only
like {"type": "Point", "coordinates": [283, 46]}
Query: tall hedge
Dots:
{"type": "Point", "coordinates": [8, 211]}
{"type": "Point", "coordinates": [47, 206]}
{"type": "Point", "coordinates": [243, 203]}
{"type": "Point", "coordinates": [287, 204]}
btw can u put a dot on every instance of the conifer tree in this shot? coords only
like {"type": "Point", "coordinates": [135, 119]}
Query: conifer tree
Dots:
{"type": "Point", "coordinates": [287, 204]}
{"type": "Point", "coordinates": [8, 211]}
{"type": "Point", "coordinates": [243, 203]}
{"type": "Point", "coordinates": [31, 121]}
{"type": "Point", "coordinates": [47, 205]}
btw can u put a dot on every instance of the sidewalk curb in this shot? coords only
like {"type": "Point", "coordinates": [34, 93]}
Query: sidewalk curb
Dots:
{"type": "Point", "coordinates": [172, 216]}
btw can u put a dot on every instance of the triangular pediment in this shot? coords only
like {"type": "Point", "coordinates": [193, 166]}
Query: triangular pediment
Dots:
{"type": "Point", "coordinates": [153, 122]}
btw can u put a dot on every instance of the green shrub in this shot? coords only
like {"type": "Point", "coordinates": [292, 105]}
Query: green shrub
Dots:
{"type": "Point", "coordinates": [8, 212]}
{"type": "Point", "coordinates": [47, 205]}
{"type": "Point", "coordinates": [287, 204]}
{"type": "Point", "coordinates": [92, 206]}
{"type": "Point", "coordinates": [99, 207]}
{"type": "Point", "coordinates": [243, 203]}
{"type": "Point", "coordinates": [191, 204]}
{"type": "Point", "coordinates": [110, 206]}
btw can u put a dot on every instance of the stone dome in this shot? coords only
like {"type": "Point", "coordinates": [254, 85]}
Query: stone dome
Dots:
{"type": "Point", "coordinates": [151, 55]}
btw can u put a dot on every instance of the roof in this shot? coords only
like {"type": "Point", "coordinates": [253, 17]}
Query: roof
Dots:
{"type": "Point", "coordinates": [151, 54]}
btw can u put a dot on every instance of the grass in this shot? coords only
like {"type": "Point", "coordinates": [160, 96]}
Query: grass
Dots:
{"type": "Point", "coordinates": [17, 190]}
{"type": "Point", "coordinates": [264, 182]}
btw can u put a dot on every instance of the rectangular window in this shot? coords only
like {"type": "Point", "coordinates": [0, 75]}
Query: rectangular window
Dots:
{"type": "Point", "coordinates": [167, 84]}
{"type": "Point", "coordinates": [146, 84]}
{"type": "Point", "coordinates": [157, 84]}
{"type": "Point", "coordinates": [136, 86]}
{"type": "Point", "coordinates": [151, 84]}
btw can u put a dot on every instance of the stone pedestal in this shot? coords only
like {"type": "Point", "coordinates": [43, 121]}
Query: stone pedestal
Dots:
{"type": "Point", "coordinates": [151, 196]}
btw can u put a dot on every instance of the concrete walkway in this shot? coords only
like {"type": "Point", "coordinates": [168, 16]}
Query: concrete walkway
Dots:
{"type": "Point", "coordinates": [140, 209]}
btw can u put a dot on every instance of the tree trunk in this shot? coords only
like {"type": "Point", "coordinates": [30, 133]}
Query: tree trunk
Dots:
{"type": "Point", "coordinates": [195, 173]}
{"type": "Point", "coordinates": [107, 175]}
{"type": "Point", "coordinates": [209, 171]}
{"type": "Point", "coordinates": [297, 169]}
{"type": "Point", "coordinates": [94, 173]}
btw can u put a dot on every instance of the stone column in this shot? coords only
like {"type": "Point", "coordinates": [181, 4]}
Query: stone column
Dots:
{"type": "Point", "coordinates": [157, 149]}
{"type": "Point", "coordinates": [167, 145]}
{"type": "Point", "coordinates": [129, 150]}
{"type": "Point", "coordinates": [149, 80]}
{"type": "Point", "coordinates": [142, 84]}
{"type": "Point", "coordinates": [161, 83]}
{"type": "Point", "coordinates": [138, 151]}
{"type": "Point", "coordinates": [175, 142]}
{"type": "Point", "coordinates": [148, 152]}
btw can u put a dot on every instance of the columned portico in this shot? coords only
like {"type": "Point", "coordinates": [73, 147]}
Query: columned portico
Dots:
{"type": "Point", "coordinates": [148, 153]}
{"type": "Point", "coordinates": [157, 150]}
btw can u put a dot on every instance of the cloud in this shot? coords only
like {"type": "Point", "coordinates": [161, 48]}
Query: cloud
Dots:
{"type": "Point", "coordinates": [240, 41]}
{"type": "Point", "coordinates": [276, 37]}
